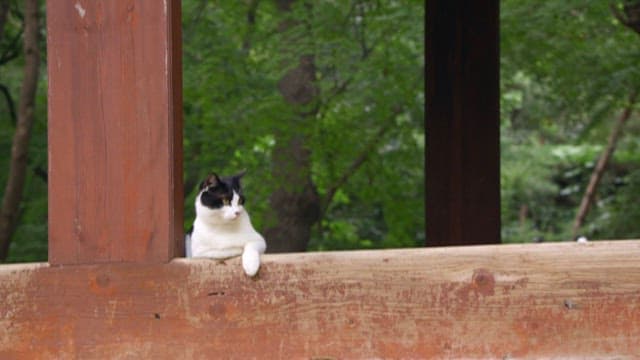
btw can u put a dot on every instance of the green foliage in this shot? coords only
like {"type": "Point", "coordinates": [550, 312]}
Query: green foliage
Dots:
{"type": "Point", "coordinates": [567, 71]}
{"type": "Point", "coordinates": [581, 57]}
{"type": "Point", "coordinates": [369, 63]}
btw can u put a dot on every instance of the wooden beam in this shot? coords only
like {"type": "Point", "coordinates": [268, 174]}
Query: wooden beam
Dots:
{"type": "Point", "coordinates": [115, 131]}
{"type": "Point", "coordinates": [555, 300]}
{"type": "Point", "coordinates": [462, 125]}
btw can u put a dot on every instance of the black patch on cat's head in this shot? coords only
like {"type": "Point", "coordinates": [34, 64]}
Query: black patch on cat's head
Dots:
{"type": "Point", "coordinates": [217, 191]}
{"type": "Point", "coordinates": [234, 181]}
{"type": "Point", "coordinates": [211, 180]}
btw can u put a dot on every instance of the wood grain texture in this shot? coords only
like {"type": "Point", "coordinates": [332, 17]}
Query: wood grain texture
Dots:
{"type": "Point", "coordinates": [509, 301]}
{"type": "Point", "coordinates": [115, 138]}
{"type": "Point", "coordinates": [462, 127]}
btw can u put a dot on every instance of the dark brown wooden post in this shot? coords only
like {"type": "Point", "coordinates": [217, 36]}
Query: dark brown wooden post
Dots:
{"type": "Point", "coordinates": [115, 131]}
{"type": "Point", "coordinates": [462, 125]}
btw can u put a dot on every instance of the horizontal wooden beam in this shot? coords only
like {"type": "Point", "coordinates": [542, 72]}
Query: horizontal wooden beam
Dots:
{"type": "Point", "coordinates": [538, 300]}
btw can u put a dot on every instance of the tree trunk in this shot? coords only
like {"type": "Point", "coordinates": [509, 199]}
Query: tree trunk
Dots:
{"type": "Point", "coordinates": [598, 171]}
{"type": "Point", "coordinates": [295, 202]}
{"type": "Point", "coordinates": [18, 165]}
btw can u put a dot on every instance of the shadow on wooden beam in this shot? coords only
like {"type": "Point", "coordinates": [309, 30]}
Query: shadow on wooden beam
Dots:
{"type": "Point", "coordinates": [555, 300]}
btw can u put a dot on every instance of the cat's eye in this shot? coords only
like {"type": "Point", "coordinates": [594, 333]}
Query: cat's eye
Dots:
{"type": "Point", "coordinates": [225, 202]}
{"type": "Point", "coordinates": [241, 200]}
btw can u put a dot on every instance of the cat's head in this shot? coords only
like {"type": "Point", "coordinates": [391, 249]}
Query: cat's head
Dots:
{"type": "Point", "coordinates": [220, 199]}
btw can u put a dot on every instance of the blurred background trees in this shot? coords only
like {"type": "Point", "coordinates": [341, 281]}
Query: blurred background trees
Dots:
{"type": "Point", "coordinates": [569, 75]}
{"type": "Point", "coordinates": [322, 102]}
{"type": "Point", "coordinates": [23, 131]}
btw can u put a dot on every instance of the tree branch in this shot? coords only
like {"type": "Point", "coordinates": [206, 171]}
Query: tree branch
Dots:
{"type": "Point", "coordinates": [359, 160]}
{"type": "Point", "coordinates": [10, 103]}
{"type": "Point", "coordinates": [603, 161]}
{"type": "Point", "coordinates": [340, 88]}
{"type": "Point", "coordinates": [356, 9]}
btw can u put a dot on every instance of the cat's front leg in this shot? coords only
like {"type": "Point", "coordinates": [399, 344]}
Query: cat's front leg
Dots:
{"type": "Point", "coordinates": [251, 257]}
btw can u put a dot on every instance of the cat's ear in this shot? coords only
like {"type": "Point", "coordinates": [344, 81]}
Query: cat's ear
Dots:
{"type": "Point", "coordinates": [235, 180]}
{"type": "Point", "coordinates": [211, 181]}
{"type": "Point", "coordinates": [239, 175]}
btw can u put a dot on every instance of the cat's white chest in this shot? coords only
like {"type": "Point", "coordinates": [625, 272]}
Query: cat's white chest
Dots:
{"type": "Point", "coordinates": [218, 241]}
{"type": "Point", "coordinates": [207, 238]}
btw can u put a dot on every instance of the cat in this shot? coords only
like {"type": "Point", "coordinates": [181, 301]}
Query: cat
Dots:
{"type": "Point", "coordinates": [222, 228]}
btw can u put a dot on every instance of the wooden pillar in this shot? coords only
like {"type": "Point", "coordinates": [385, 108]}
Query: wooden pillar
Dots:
{"type": "Point", "coordinates": [115, 131]}
{"type": "Point", "coordinates": [462, 125]}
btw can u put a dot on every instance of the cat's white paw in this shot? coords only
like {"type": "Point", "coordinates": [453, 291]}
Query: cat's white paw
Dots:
{"type": "Point", "coordinates": [250, 262]}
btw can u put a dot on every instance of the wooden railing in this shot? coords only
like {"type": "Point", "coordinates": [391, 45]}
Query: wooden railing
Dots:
{"type": "Point", "coordinates": [561, 300]}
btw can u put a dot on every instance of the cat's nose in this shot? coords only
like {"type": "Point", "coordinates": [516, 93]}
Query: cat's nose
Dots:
{"type": "Point", "coordinates": [237, 213]}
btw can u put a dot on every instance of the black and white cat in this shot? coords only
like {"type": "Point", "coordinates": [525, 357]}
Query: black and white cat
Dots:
{"type": "Point", "coordinates": [222, 228]}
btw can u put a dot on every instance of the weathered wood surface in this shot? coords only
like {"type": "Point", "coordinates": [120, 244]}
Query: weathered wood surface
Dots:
{"type": "Point", "coordinates": [462, 126]}
{"type": "Point", "coordinates": [115, 130]}
{"type": "Point", "coordinates": [509, 301]}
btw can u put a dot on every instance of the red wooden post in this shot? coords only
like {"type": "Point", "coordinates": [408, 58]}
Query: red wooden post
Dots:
{"type": "Point", "coordinates": [115, 131]}
{"type": "Point", "coordinates": [462, 126]}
